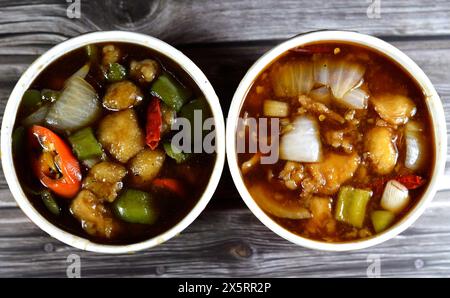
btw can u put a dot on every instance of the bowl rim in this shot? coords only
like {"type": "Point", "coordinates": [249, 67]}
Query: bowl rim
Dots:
{"type": "Point", "coordinates": [49, 57]}
{"type": "Point", "coordinates": [433, 103]}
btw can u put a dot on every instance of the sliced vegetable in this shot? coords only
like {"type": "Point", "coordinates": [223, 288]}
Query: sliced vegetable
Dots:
{"type": "Point", "coordinates": [168, 116]}
{"type": "Point", "coordinates": [171, 92]}
{"type": "Point", "coordinates": [116, 72]}
{"type": "Point", "coordinates": [395, 197]}
{"type": "Point", "coordinates": [136, 206]}
{"type": "Point", "coordinates": [293, 78]}
{"type": "Point", "coordinates": [173, 185]}
{"type": "Point", "coordinates": [381, 220]}
{"type": "Point", "coordinates": [275, 108]}
{"type": "Point", "coordinates": [355, 99]}
{"type": "Point", "coordinates": [85, 145]}
{"type": "Point", "coordinates": [92, 53]}
{"type": "Point", "coordinates": [322, 71]}
{"type": "Point", "coordinates": [189, 111]}
{"type": "Point", "coordinates": [55, 167]}
{"type": "Point", "coordinates": [351, 205]}
{"type": "Point", "coordinates": [18, 139]}
{"type": "Point", "coordinates": [31, 100]}
{"type": "Point", "coordinates": [345, 76]}
{"type": "Point", "coordinates": [77, 107]}
{"type": "Point", "coordinates": [81, 73]}
{"type": "Point", "coordinates": [416, 149]}
{"type": "Point", "coordinates": [322, 94]}
{"type": "Point", "coordinates": [50, 202]}
{"type": "Point", "coordinates": [50, 95]}
{"type": "Point", "coordinates": [411, 181]}
{"type": "Point", "coordinates": [154, 123]}
{"type": "Point", "coordinates": [37, 117]}
{"type": "Point", "coordinates": [175, 153]}
{"type": "Point", "coordinates": [302, 143]}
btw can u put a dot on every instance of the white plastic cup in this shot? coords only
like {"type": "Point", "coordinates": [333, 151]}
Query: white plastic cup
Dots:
{"type": "Point", "coordinates": [60, 50]}
{"type": "Point", "coordinates": [432, 100]}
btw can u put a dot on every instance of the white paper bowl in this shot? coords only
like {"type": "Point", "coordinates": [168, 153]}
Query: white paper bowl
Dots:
{"type": "Point", "coordinates": [67, 46]}
{"type": "Point", "coordinates": [433, 102]}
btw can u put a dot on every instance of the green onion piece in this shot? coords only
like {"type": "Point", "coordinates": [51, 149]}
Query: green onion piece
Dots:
{"type": "Point", "coordinates": [92, 52]}
{"type": "Point", "coordinates": [381, 220]}
{"type": "Point", "coordinates": [178, 155]}
{"type": "Point", "coordinates": [171, 91]}
{"type": "Point", "coordinates": [31, 100]}
{"type": "Point", "coordinates": [351, 205]}
{"type": "Point", "coordinates": [50, 202]}
{"type": "Point", "coordinates": [136, 206]}
{"type": "Point", "coordinates": [49, 95]}
{"type": "Point", "coordinates": [18, 140]}
{"type": "Point", "coordinates": [85, 145]}
{"type": "Point", "coordinates": [116, 72]}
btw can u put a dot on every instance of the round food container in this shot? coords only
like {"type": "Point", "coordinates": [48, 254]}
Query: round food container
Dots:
{"type": "Point", "coordinates": [60, 50]}
{"type": "Point", "coordinates": [433, 102]}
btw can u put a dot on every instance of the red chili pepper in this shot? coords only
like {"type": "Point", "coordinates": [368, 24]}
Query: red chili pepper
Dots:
{"type": "Point", "coordinates": [170, 184]}
{"type": "Point", "coordinates": [55, 158]}
{"type": "Point", "coordinates": [154, 123]}
{"type": "Point", "coordinates": [411, 181]}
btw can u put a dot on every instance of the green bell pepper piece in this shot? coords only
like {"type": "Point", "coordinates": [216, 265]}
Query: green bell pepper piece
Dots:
{"type": "Point", "coordinates": [116, 72]}
{"type": "Point", "coordinates": [50, 202]}
{"type": "Point", "coordinates": [171, 92]}
{"type": "Point", "coordinates": [177, 155]}
{"type": "Point", "coordinates": [85, 145]}
{"type": "Point", "coordinates": [351, 205]}
{"type": "Point", "coordinates": [136, 206]}
{"type": "Point", "coordinates": [381, 220]}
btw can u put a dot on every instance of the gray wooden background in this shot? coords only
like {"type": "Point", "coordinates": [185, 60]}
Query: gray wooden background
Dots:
{"type": "Point", "coordinates": [224, 38]}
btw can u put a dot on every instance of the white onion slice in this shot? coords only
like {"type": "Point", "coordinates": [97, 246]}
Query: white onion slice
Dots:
{"type": "Point", "coordinates": [415, 146]}
{"type": "Point", "coordinates": [37, 117]}
{"type": "Point", "coordinates": [345, 76]}
{"type": "Point", "coordinates": [322, 71]}
{"type": "Point", "coordinates": [82, 72]}
{"type": "Point", "coordinates": [302, 143]}
{"type": "Point", "coordinates": [275, 108]}
{"type": "Point", "coordinates": [77, 106]}
{"type": "Point", "coordinates": [293, 78]}
{"type": "Point", "coordinates": [395, 196]}
{"type": "Point", "coordinates": [321, 94]}
{"type": "Point", "coordinates": [355, 99]}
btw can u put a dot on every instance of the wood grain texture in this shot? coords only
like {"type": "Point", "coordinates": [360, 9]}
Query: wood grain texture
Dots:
{"type": "Point", "coordinates": [224, 38]}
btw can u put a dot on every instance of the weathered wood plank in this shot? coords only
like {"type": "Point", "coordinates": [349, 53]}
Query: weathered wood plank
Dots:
{"type": "Point", "coordinates": [191, 21]}
{"type": "Point", "coordinates": [235, 243]}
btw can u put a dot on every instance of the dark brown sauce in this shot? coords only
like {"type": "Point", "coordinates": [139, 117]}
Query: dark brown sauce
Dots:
{"type": "Point", "coordinates": [195, 173]}
{"type": "Point", "coordinates": [382, 75]}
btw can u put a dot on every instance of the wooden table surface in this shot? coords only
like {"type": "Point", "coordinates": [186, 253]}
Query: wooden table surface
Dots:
{"type": "Point", "coordinates": [224, 38]}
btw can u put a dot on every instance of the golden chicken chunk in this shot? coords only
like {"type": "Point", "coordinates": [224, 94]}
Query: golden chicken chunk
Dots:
{"type": "Point", "coordinates": [144, 71]}
{"type": "Point", "coordinates": [96, 219]}
{"type": "Point", "coordinates": [111, 54]}
{"type": "Point", "coordinates": [327, 176]}
{"type": "Point", "coordinates": [105, 180]}
{"type": "Point", "coordinates": [145, 166]}
{"type": "Point", "coordinates": [122, 95]}
{"type": "Point", "coordinates": [381, 149]}
{"type": "Point", "coordinates": [394, 109]}
{"type": "Point", "coordinates": [120, 134]}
